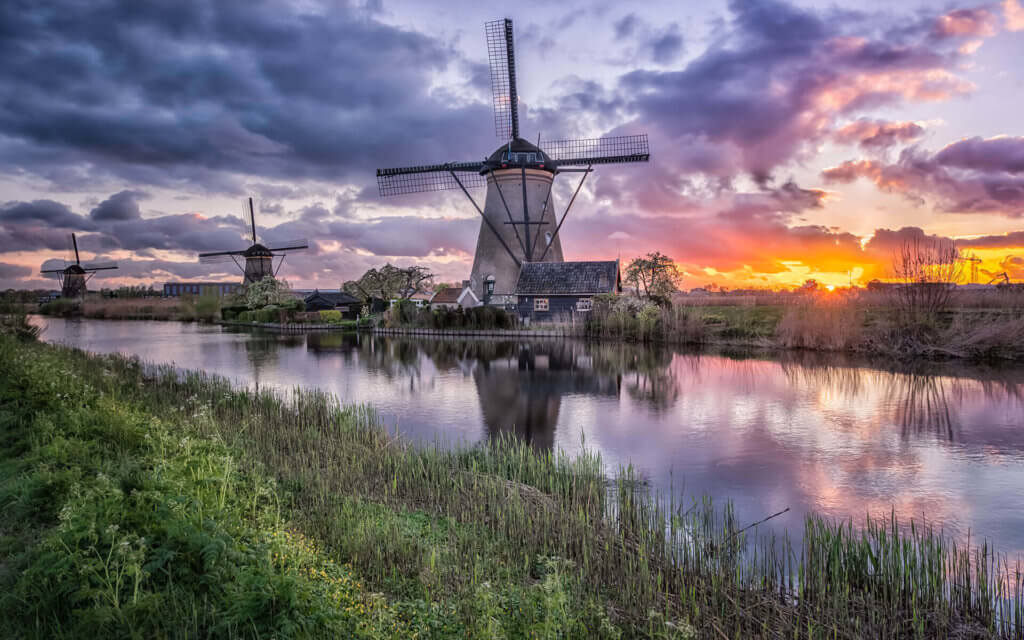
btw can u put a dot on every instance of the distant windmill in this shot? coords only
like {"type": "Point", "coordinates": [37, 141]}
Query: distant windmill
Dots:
{"type": "Point", "coordinates": [259, 259]}
{"type": "Point", "coordinates": [74, 276]}
{"type": "Point", "coordinates": [518, 216]}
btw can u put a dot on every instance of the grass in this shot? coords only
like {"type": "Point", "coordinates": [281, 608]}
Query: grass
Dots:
{"type": "Point", "coordinates": [185, 308]}
{"type": "Point", "coordinates": [130, 490]}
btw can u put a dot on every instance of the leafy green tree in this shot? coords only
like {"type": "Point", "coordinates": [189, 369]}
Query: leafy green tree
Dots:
{"type": "Point", "coordinates": [269, 290]}
{"type": "Point", "coordinates": [654, 275]}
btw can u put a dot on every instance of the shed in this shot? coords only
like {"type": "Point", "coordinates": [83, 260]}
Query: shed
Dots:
{"type": "Point", "coordinates": [548, 291]}
{"type": "Point", "coordinates": [338, 300]}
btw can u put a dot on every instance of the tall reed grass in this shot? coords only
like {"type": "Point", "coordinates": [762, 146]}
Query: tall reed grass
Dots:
{"type": "Point", "coordinates": [659, 566]}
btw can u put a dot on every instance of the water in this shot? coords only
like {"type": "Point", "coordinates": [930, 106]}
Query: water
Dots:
{"type": "Point", "coordinates": [813, 432]}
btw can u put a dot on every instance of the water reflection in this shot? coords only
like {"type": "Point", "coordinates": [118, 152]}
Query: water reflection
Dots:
{"type": "Point", "coordinates": [838, 435]}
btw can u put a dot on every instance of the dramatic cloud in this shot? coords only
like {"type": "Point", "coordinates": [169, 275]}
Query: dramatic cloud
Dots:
{"type": "Point", "coordinates": [162, 93]}
{"type": "Point", "coordinates": [973, 175]}
{"type": "Point", "coordinates": [966, 22]}
{"type": "Point", "coordinates": [878, 134]}
{"type": "Point", "coordinates": [120, 206]}
{"type": "Point", "coordinates": [174, 106]}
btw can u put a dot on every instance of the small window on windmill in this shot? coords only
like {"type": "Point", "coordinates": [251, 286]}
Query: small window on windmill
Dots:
{"type": "Point", "coordinates": [547, 237]}
{"type": "Point", "coordinates": [489, 286]}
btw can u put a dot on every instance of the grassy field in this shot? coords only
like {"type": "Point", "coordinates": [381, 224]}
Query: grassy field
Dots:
{"type": "Point", "coordinates": [140, 502]}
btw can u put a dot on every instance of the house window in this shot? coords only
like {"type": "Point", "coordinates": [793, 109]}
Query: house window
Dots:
{"type": "Point", "coordinates": [584, 304]}
{"type": "Point", "coordinates": [540, 304]}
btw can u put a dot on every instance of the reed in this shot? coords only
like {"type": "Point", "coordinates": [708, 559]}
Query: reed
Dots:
{"type": "Point", "coordinates": [526, 542]}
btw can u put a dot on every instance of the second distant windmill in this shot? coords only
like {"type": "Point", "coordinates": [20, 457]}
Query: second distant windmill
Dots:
{"type": "Point", "coordinates": [256, 262]}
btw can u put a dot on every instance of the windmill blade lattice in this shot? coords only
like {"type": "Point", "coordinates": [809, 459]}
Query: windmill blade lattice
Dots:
{"type": "Point", "coordinates": [289, 245]}
{"type": "Point", "coordinates": [99, 266]}
{"type": "Point", "coordinates": [610, 150]}
{"type": "Point", "coordinates": [428, 178]}
{"type": "Point", "coordinates": [502, 59]}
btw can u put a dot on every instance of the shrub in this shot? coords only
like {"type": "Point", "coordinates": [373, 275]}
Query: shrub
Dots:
{"type": "Point", "coordinates": [207, 307]}
{"type": "Point", "coordinates": [59, 307]}
{"type": "Point", "coordinates": [330, 315]}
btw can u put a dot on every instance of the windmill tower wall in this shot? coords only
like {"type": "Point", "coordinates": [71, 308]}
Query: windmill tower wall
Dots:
{"type": "Point", "coordinates": [491, 258]}
{"type": "Point", "coordinates": [73, 285]}
{"type": "Point", "coordinates": [257, 267]}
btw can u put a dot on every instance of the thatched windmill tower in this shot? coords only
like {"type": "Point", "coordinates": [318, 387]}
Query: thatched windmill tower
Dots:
{"type": "Point", "coordinates": [518, 217]}
{"type": "Point", "coordinates": [73, 277]}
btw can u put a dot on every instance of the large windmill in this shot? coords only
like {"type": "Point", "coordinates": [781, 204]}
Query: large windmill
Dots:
{"type": "Point", "coordinates": [74, 276]}
{"type": "Point", "coordinates": [258, 259]}
{"type": "Point", "coordinates": [518, 218]}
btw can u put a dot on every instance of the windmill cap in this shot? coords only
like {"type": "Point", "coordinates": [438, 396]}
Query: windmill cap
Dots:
{"type": "Point", "coordinates": [519, 153]}
{"type": "Point", "coordinates": [74, 269]}
{"type": "Point", "coordinates": [257, 250]}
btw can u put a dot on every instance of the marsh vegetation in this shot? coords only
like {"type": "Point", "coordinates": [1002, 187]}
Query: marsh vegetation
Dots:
{"type": "Point", "coordinates": [133, 489]}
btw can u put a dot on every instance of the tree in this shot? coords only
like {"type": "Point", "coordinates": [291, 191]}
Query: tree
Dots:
{"type": "Point", "coordinates": [269, 290]}
{"type": "Point", "coordinates": [928, 272]}
{"type": "Point", "coordinates": [390, 282]}
{"type": "Point", "coordinates": [653, 276]}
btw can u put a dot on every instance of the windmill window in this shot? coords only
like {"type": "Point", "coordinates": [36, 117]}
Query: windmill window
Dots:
{"type": "Point", "coordinates": [547, 237]}
{"type": "Point", "coordinates": [489, 286]}
{"type": "Point", "coordinates": [540, 304]}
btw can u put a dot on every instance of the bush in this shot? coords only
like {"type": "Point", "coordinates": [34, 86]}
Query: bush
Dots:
{"type": "Point", "coordinates": [60, 307]}
{"type": "Point", "coordinates": [247, 316]}
{"type": "Point", "coordinates": [330, 315]}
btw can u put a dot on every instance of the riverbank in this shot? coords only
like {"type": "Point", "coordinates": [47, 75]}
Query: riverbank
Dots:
{"type": "Point", "coordinates": [447, 544]}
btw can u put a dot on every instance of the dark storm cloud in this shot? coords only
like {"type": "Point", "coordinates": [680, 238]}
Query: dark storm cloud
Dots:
{"type": "Point", "coordinates": [120, 206]}
{"type": "Point", "coordinates": [161, 92]}
{"type": "Point", "coordinates": [973, 175]}
{"type": "Point", "coordinates": [11, 271]}
{"type": "Point", "coordinates": [45, 212]}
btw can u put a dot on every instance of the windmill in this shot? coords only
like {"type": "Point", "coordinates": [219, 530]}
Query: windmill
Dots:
{"type": "Point", "coordinates": [518, 217]}
{"type": "Point", "coordinates": [74, 276]}
{"type": "Point", "coordinates": [259, 259]}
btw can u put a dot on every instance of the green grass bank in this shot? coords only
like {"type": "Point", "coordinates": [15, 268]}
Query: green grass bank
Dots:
{"type": "Point", "coordinates": [142, 502]}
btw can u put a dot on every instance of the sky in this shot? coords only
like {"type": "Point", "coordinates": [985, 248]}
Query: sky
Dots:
{"type": "Point", "coordinates": [789, 140]}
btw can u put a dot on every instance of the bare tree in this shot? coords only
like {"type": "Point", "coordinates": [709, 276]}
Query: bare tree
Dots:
{"type": "Point", "coordinates": [927, 272]}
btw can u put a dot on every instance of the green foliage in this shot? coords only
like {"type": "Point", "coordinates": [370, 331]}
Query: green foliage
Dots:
{"type": "Point", "coordinates": [405, 313]}
{"type": "Point", "coordinates": [653, 276]}
{"type": "Point", "coordinates": [267, 291]}
{"type": "Point", "coordinates": [60, 307]}
{"type": "Point", "coordinates": [207, 307]}
{"type": "Point", "coordinates": [495, 541]}
{"type": "Point", "coordinates": [118, 526]}
{"type": "Point", "coordinates": [390, 282]}
{"type": "Point", "coordinates": [18, 325]}
{"type": "Point", "coordinates": [330, 315]}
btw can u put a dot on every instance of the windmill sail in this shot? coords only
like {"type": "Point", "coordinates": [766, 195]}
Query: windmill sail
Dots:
{"type": "Point", "coordinates": [99, 266]}
{"type": "Point", "coordinates": [502, 58]}
{"type": "Point", "coordinates": [610, 150]}
{"type": "Point", "coordinates": [289, 245]}
{"type": "Point", "coordinates": [435, 177]}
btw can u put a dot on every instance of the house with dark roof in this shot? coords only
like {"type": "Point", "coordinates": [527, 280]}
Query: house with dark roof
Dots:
{"type": "Point", "coordinates": [338, 300]}
{"type": "Point", "coordinates": [549, 291]}
{"type": "Point", "coordinates": [453, 298]}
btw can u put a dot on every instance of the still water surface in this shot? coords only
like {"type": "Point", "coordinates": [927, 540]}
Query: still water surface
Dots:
{"type": "Point", "coordinates": [813, 432]}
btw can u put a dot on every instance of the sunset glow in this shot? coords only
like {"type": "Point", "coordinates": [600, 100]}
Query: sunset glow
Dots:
{"type": "Point", "coordinates": [789, 141]}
